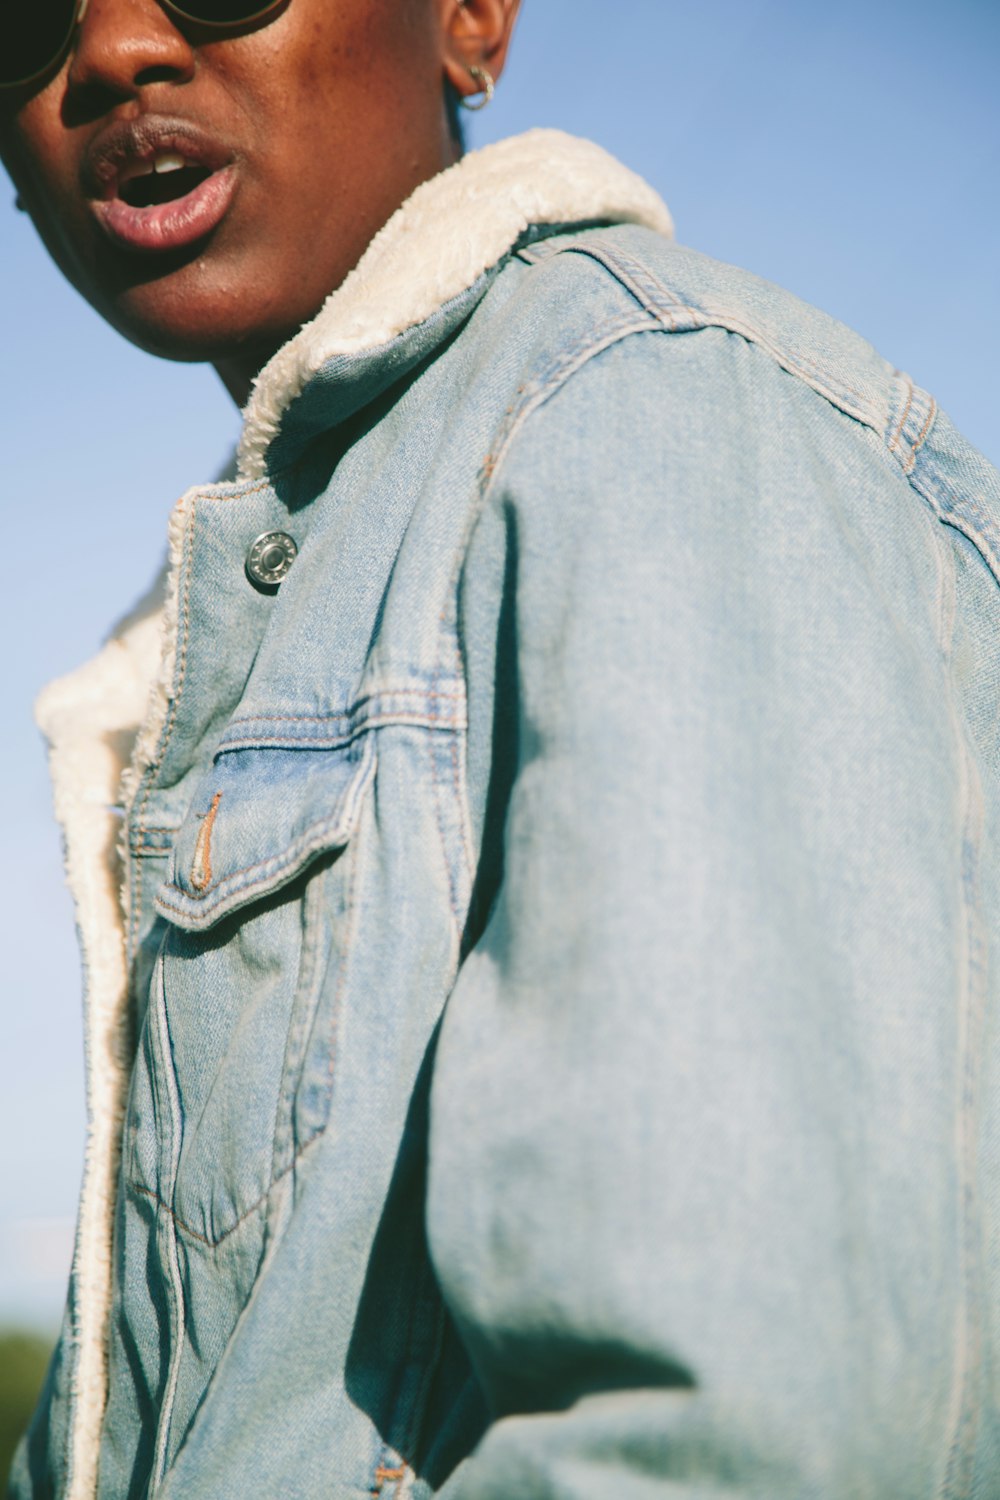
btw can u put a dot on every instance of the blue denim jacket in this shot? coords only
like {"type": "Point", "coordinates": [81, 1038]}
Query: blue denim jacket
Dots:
{"type": "Point", "coordinates": [561, 1046]}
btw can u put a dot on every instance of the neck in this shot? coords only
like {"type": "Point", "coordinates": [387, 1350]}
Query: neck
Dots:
{"type": "Point", "coordinates": [239, 370]}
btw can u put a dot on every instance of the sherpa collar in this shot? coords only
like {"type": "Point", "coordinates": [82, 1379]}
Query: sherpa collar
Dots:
{"type": "Point", "coordinates": [106, 718]}
{"type": "Point", "coordinates": [451, 230]}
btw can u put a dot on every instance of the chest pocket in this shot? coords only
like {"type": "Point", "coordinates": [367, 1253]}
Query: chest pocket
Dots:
{"type": "Point", "coordinates": [235, 1065]}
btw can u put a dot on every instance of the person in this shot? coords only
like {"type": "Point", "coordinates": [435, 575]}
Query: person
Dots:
{"type": "Point", "coordinates": [547, 1045]}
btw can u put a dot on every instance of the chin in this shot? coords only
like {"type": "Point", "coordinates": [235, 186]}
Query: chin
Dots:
{"type": "Point", "coordinates": [187, 342]}
{"type": "Point", "coordinates": [197, 325]}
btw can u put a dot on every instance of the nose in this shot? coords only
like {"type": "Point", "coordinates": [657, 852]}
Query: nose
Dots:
{"type": "Point", "coordinates": [123, 45]}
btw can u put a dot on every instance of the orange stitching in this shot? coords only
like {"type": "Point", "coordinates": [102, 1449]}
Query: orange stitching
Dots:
{"type": "Point", "coordinates": [349, 714]}
{"type": "Point", "coordinates": [275, 740]}
{"type": "Point", "coordinates": [931, 414]}
{"type": "Point", "coordinates": [184, 625]}
{"type": "Point", "coordinates": [384, 1475]}
{"type": "Point", "coordinates": [628, 273]}
{"type": "Point", "coordinates": [894, 440]}
{"type": "Point", "coordinates": [236, 493]}
{"type": "Point", "coordinates": [183, 640]}
{"type": "Point", "coordinates": [303, 847]}
{"type": "Point", "coordinates": [140, 1187]}
{"type": "Point", "coordinates": [345, 726]}
{"type": "Point", "coordinates": [632, 273]}
{"type": "Point", "coordinates": [307, 853]}
{"type": "Point", "coordinates": [201, 864]}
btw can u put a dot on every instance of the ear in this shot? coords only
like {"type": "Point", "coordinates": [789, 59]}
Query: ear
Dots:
{"type": "Point", "coordinates": [477, 34]}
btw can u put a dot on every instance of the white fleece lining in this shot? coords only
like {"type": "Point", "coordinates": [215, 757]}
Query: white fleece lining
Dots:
{"type": "Point", "coordinates": [104, 721]}
{"type": "Point", "coordinates": [90, 720]}
{"type": "Point", "coordinates": [446, 234]}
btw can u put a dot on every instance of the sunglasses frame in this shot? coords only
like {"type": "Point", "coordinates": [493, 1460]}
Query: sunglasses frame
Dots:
{"type": "Point", "coordinates": [79, 9]}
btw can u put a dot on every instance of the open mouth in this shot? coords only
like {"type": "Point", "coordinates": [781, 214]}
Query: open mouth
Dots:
{"type": "Point", "coordinates": [158, 184]}
{"type": "Point", "coordinates": [165, 203]}
{"type": "Point", "coordinates": [165, 179]}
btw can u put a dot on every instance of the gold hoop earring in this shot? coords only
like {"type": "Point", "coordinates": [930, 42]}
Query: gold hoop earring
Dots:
{"type": "Point", "coordinates": [487, 88]}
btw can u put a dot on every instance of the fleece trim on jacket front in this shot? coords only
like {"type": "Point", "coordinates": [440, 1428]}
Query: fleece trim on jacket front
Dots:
{"type": "Point", "coordinates": [104, 721]}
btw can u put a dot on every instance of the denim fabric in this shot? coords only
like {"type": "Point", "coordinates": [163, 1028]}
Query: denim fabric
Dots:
{"type": "Point", "coordinates": [565, 915]}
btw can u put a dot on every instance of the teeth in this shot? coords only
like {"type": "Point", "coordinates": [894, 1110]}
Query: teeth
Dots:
{"type": "Point", "coordinates": [162, 161]}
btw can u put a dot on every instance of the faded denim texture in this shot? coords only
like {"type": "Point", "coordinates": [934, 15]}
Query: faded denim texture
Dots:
{"type": "Point", "coordinates": [570, 1061]}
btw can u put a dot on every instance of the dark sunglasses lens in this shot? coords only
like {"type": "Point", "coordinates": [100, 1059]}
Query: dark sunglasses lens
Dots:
{"type": "Point", "coordinates": [34, 33]}
{"type": "Point", "coordinates": [223, 12]}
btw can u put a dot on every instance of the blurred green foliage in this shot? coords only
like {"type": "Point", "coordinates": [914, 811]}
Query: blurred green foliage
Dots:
{"type": "Point", "coordinates": [24, 1358]}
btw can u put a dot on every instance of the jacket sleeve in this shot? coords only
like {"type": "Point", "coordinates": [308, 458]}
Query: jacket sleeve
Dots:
{"type": "Point", "coordinates": [692, 1195]}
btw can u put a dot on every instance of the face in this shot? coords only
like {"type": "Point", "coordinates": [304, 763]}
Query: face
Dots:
{"type": "Point", "coordinates": [205, 191]}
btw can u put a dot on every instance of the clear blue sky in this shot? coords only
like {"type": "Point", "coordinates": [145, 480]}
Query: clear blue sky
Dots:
{"type": "Point", "coordinates": [850, 152]}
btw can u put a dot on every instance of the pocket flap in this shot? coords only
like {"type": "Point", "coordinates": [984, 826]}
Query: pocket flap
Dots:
{"type": "Point", "coordinates": [259, 817]}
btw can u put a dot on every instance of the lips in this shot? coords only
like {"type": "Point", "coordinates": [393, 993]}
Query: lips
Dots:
{"type": "Point", "coordinates": [157, 184]}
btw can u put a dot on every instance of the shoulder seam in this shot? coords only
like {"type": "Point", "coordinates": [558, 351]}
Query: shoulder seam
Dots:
{"type": "Point", "coordinates": [534, 393]}
{"type": "Point", "coordinates": [677, 316]}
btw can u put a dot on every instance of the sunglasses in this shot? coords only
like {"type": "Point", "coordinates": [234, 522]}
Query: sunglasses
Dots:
{"type": "Point", "coordinates": [43, 29]}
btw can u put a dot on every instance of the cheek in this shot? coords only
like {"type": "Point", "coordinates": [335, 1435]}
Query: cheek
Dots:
{"type": "Point", "coordinates": [335, 112]}
{"type": "Point", "coordinates": [37, 148]}
{"type": "Point", "coordinates": [42, 158]}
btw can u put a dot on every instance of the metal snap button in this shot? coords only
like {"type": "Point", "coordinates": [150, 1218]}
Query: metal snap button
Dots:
{"type": "Point", "coordinates": [270, 558]}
